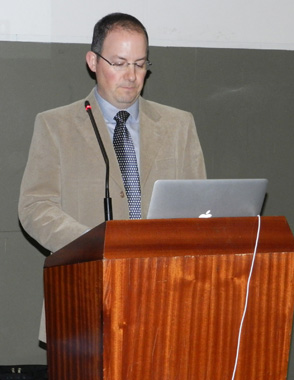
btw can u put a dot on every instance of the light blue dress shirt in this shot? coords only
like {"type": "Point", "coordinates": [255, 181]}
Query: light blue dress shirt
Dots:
{"type": "Point", "coordinates": [133, 125]}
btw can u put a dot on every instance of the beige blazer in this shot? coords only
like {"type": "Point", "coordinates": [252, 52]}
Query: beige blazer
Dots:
{"type": "Point", "coordinates": [62, 190]}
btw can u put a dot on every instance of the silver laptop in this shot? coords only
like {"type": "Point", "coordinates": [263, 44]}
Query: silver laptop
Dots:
{"type": "Point", "coordinates": [207, 198]}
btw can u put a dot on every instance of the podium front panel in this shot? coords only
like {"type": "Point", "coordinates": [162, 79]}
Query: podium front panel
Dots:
{"type": "Point", "coordinates": [163, 300]}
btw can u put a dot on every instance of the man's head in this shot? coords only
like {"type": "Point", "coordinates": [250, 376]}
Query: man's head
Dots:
{"type": "Point", "coordinates": [119, 58]}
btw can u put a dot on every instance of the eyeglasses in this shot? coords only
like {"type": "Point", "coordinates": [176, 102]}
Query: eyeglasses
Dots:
{"type": "Point", "coordinates": [120, 66]}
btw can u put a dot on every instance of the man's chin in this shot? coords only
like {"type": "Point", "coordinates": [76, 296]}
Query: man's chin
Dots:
{"type": "Point", "coordinates": [127, 101]}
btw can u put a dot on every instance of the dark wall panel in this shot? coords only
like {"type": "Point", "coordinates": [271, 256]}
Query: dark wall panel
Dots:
{"type": "Point", "coordinates": [242, 101]}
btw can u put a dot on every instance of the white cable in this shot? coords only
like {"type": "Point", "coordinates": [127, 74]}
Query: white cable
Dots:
{"type": "Point", "coordinates": [247, 296]}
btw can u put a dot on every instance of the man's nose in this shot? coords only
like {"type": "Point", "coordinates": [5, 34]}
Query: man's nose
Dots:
{"type": "Point", "coordinates": [131, 71]}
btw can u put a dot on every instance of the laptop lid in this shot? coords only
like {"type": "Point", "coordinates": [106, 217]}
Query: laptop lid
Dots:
{"type": "Point", "coordinates": [207, 198]}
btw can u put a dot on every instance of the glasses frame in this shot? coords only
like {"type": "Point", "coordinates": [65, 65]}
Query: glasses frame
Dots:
{"type": "Point", "coordinates": [123, 66]}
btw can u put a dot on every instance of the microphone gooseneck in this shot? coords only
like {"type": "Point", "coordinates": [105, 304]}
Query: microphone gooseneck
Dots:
{"type": "Point", "coordinates": [107, 199]}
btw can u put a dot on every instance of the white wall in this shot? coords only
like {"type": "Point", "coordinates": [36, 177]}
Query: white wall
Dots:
{"type": "Point", "coordinates": [260, 24]}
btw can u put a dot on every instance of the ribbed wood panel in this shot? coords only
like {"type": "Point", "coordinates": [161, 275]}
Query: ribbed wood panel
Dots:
{"type": "Point", "coordinates": [74, 321]}
{"type": "Point", "coordinates": [178, 318]}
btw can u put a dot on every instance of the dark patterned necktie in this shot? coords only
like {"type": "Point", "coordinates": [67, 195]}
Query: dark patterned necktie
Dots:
{"type": "Point", "coordinates": [126, 156]}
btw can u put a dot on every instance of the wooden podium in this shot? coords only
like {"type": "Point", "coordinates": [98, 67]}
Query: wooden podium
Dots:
{"type": "Point", "coordinates": [163, 300]}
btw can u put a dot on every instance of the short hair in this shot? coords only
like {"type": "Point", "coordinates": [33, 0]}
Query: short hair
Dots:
{"type": "Point", "coordinates": [111, 22]}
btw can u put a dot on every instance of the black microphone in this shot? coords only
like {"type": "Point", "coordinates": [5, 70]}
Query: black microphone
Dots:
{"type": "Point", "coordinates": [107, 199]}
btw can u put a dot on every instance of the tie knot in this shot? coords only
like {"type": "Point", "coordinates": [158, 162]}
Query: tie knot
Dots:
{"type": "Point", "coordinates": [121, 117]}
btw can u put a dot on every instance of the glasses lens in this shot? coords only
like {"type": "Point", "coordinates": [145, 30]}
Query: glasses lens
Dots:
{"type": "Point", "coordinates": [120, 66]}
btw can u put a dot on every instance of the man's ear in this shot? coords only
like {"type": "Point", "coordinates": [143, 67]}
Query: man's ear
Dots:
{"type": "Point", "coordinates": [91, 59]}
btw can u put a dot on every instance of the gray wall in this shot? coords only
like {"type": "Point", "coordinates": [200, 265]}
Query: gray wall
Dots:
{"type": "Point", "coordinates": [242, 101]}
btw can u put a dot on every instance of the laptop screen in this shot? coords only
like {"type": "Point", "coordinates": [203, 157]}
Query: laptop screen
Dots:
{"type": "Point", "coordinates": [207, 198]}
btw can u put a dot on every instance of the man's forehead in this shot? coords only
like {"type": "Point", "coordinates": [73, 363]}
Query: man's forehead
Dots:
{"type": "Point", "coordinates": [124, 32]}
{"type": "Point", "coordinates": [120, 45]}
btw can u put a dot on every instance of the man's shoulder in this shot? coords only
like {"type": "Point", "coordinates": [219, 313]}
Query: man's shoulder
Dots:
{"type": "Point", "coordinates": [71, 110]}
{"type": "Point", "coordinates": [61, 111]}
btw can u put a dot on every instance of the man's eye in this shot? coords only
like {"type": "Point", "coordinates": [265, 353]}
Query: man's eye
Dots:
{"type": "Point", "coordinates": [120, 64]}
{"type": "Point", "coordinates": [140, 65]}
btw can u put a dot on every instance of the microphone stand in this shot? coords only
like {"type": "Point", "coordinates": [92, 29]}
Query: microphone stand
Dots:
{"type": "Point", "coordinates": [107, 199]}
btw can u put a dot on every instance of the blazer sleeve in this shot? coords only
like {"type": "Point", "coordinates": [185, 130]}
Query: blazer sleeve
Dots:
{"type": "Point", "coordinates": [40, 210]}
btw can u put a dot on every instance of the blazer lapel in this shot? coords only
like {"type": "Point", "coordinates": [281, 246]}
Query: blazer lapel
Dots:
{"type": "Point", "coordinates": [114, 171]}
{"type": "Point", "coordinates": [151, 136]}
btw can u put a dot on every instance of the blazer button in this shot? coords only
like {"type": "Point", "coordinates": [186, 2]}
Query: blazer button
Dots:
{"type": "Point", "coordinates": [122, 194]}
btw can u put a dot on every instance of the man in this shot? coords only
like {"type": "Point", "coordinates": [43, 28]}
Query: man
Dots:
{"type": "Point", "coordinates": [63, 185]}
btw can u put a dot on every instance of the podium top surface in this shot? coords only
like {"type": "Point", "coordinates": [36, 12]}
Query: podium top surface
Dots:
{"type": "Point", "coordinates": [120, 239]}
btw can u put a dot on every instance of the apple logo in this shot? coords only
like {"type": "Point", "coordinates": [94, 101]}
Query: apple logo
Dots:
{"type": "Point", "coordinates": [206, 215]}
